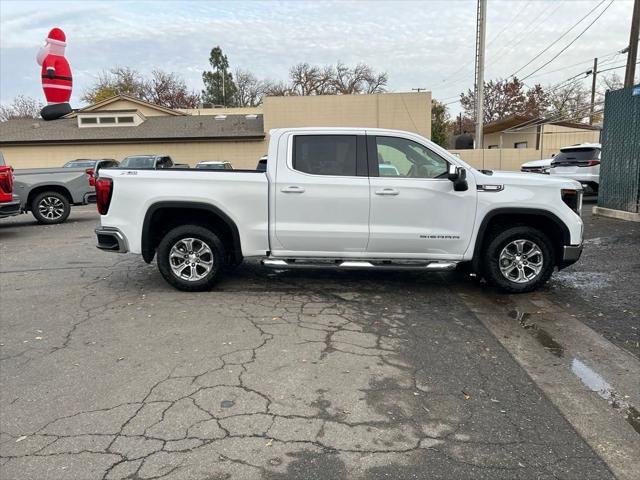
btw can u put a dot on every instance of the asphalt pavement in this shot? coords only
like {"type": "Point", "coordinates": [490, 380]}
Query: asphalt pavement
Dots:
{"type": "Point", "coordinates": [106, 372]}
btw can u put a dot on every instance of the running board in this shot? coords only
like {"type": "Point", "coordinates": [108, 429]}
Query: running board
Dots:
{"type": "Point", "coordinates": [358, 264]}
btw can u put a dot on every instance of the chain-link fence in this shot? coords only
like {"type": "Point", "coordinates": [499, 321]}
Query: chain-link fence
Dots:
{"type": "Point", "coordinates": [620, 159]}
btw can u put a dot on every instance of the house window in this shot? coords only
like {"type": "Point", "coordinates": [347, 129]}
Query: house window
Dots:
{"type": "Point", "coordinates": [88, 120]}
{"type": "Point", "coordinates": [107, 119]}
{"type": "Point", "coordinates": [520, 145]}
{"type": "Point", "coordinates": [125, 119]}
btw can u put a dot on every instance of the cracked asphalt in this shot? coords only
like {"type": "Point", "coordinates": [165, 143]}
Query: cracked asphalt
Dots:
{"type": "Point", "coordinates": [108, 373]}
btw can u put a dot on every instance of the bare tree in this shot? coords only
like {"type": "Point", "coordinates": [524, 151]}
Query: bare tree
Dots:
{"type": "Point", "coordinates": [611, 82]}
{"type": "Point", "coordinates": [169, 90]}
{"type": "Point", "coordinates": [249, 89]}
{"type": "Point", "coordinates": [163, 88]}
{"type": "Point", "coordinates": [276, 89]}
{"type": "Point", "coordinates": [21, 107]}
{"type": "Point", "coordinates": [311, 79]}
{"type": "Point", "coordinates": [117, 81]}
{"type": "Point", "coordinates": [569, 101]}
{"type": "Point", "coordinates": [359, 79]}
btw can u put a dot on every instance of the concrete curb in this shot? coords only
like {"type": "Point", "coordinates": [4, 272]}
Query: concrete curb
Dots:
{"type": "Point", "coordinates": [619, 214]}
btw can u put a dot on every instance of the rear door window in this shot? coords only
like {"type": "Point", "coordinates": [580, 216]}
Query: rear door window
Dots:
{"type": "Point", "coordinates": [325, 154]}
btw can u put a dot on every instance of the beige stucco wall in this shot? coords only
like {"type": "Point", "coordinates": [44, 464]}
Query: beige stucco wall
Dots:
{"type": "Point", "coordinates": [509, 139]}
{"type": "Point", "coordinates": [498, 159]}
{"type": "Point", "coordinates": [555, 137]}
{"type": "Point", "coordinates": [401, 111]}
{"type": "Point", "coordinates": [244, 154]}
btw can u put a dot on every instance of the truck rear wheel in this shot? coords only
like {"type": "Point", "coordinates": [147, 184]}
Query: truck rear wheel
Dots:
{"type": "Point", "coordinates": [50, 208]}
{"type": "Point", "coordinates": [191, 258]}
{"type": "Point", "coordinates": [518, 259]}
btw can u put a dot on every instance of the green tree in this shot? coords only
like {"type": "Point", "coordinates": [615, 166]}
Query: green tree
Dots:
{"type": "Point", "coordinates": [219, 87]}
{"type": "Point", "coordinates": [439, 123]}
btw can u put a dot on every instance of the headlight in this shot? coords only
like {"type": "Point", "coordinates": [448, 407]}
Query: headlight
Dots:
{"type": "Point", "coordinates": [573, 199]}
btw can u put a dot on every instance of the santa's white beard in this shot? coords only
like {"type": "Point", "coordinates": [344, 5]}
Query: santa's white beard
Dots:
{"type": "Point", "coordinates": [49, 48]}
{"type": "Point", "coordinates": [41, 55]}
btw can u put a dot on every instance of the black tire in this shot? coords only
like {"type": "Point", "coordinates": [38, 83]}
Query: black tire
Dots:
{"type": "Point", "coordinates": [50, 208]}
{"type": "Point", "coordinates": [204, 279]}
{"type": "Point", "coordinates": [531, 280]}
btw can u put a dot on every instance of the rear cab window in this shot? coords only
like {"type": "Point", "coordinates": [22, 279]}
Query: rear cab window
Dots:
{"type": "Point", "coordinates": [334, 155]}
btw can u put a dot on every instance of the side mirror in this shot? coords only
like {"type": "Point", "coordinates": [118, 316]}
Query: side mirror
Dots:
{"type": "Point", "coordinates": [458, 176]}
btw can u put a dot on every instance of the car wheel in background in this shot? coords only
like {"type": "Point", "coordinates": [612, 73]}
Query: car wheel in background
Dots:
{"type": "Point", "coordinates": [50, 208]}
{"type": "Point", "coordinates": [518, 259]}
{"type": "Point", "coordinates": [191, 258]}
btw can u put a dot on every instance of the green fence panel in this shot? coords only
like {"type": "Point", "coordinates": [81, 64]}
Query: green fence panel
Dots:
{"type": "Point", "coordinates": [620, 158]}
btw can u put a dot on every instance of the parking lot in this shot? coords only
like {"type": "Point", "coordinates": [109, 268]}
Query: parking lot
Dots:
{"type": "Point", "coordinates": [107, 372]}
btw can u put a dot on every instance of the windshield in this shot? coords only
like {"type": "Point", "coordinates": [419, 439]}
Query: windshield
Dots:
{"type": "Point", "coordinates": [211, 166]}
{"type": "Point", "coordinates": [138, 162]}
{"type": "Point", "coordinates": [79, 164]}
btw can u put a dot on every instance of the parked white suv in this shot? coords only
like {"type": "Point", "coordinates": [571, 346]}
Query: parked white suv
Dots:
{"type": "Point", "coordinates": [327, 200]}
{"type": "Point", "coordinates": [580, 163]}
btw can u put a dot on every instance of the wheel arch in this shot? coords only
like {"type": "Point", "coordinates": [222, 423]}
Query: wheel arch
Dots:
{"type": "Point", "coordinates": [37, 190]}
{"type": "Point", "coordinates": [544, 220]}
{"type": "Point", "coordinates": [163, 216]}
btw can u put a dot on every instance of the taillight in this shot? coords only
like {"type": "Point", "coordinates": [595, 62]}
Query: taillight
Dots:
{"type": "Point", "coordinates": [92, 180]}
{"type": "Point", "coordinates": [104, 189]}
{"type": "Point", "coordinates": [6, 179]}
{"type": "Point", "coordinates": [592, 163]}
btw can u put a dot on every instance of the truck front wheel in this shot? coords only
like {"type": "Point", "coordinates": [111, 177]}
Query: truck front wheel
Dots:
{"type": "Point", "coordinates": [518, 259]}
{"type": "Point", "coordinates": [191, 258]}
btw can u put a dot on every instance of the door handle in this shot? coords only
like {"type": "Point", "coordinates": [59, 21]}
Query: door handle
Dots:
{"type": "Point", "coordinates": [292, 189]}
{"type": "Point", "coordinates": [387, 191]}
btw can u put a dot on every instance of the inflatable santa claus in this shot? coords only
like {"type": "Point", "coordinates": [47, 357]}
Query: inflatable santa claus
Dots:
{"type": "Point", "coordinates": [56, 75]}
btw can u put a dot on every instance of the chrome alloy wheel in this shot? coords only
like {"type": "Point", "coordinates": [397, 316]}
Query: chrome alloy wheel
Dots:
{"type": "Point", "coordinates": [191, 259]}
{"type": "Point", "coordinates": [51, 208]}
{"type": "Point", "coordinates": [521, 261]}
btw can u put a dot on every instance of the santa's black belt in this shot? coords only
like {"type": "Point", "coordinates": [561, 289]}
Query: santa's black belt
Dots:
{"type": "Point", "coordinates": [57, 77]}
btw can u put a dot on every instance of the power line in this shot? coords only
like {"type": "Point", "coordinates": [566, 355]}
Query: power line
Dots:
{"type": "Point", "coordinates": [557, 39]}
{"type": "Point", "coordinates": [515, 17]}
{"type": "Point", "coordinates": [615, 68]}
{"type": "Point", "coordinates": [613, 54]}
{"type": "Point", "coordinates": [532, 27]}
{"type": "Point", "coordinates": [571, 42]}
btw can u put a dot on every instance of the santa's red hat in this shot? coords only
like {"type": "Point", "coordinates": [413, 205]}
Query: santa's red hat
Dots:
{"type": "Point", "coordinates": [57, 37]}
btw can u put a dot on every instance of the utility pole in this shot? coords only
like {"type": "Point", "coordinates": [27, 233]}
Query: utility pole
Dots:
{"type": "Point", "coordinates": [479, 90]}
{"type": "Point", "coordinates": [594, 73]}
{"type": "Point", "coordinates": [633, 46]}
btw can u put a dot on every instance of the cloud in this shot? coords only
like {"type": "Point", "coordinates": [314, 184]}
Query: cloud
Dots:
{"type": "Point", "coordinates": [418, 43]}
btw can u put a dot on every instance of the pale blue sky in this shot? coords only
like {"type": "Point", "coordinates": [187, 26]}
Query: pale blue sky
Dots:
{"type": "Point", "coordinates": [419, 43]}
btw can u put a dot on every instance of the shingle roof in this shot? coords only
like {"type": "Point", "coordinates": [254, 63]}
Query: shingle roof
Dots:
{"type": "Point", "coordinates": [195, 127]}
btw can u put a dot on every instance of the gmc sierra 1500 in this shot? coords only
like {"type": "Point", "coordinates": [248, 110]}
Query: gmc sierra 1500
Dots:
{"type": "Point", "coordinates": [344, 198]}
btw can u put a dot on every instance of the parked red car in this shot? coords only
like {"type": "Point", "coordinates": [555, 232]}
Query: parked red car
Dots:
{"type": "Point", "coordinates": [8, 204]}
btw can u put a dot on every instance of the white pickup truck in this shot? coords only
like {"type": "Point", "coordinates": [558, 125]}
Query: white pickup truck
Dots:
{"type": "Point", "coordinates": [344, 198]}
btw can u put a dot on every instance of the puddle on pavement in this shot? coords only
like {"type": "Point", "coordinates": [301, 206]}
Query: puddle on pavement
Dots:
{"type": "Point", "coordinates": [541, 335]}
{"type": "Point", "coordinates": [597, 384]}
